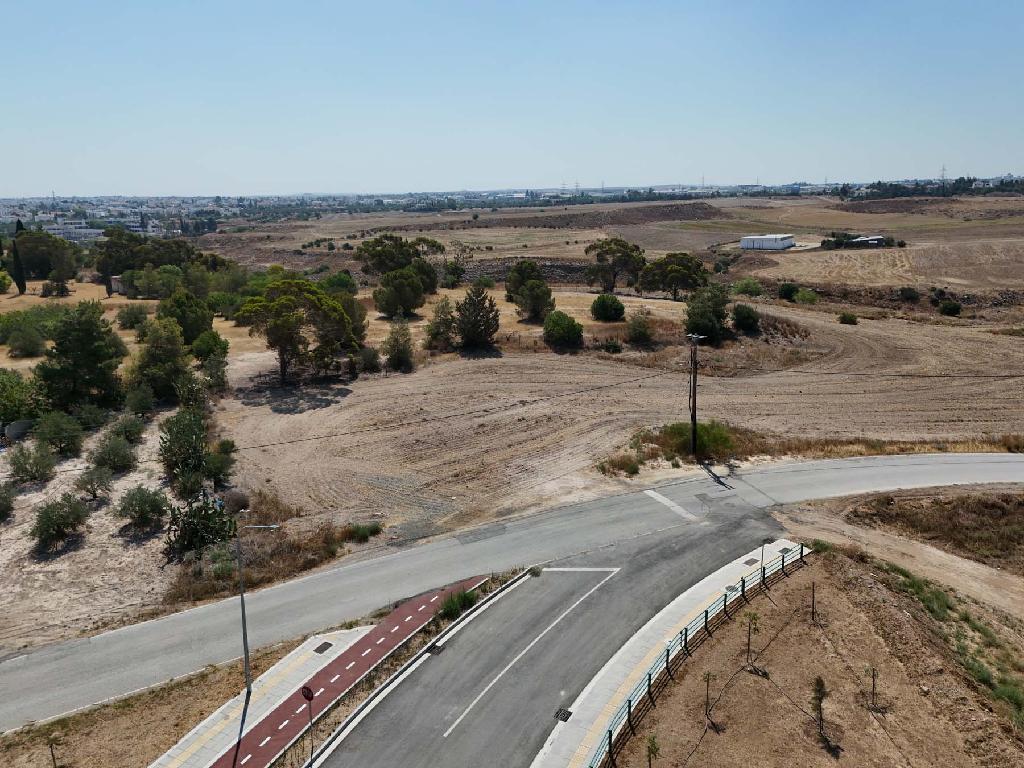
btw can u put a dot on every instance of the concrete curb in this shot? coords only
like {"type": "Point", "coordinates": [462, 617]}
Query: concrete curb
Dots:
{"type": "Point", "coordinates": [334, 740]}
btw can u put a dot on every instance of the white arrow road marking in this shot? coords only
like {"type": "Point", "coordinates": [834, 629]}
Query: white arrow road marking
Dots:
{"type": "Point", "coordinates": [671, 505]}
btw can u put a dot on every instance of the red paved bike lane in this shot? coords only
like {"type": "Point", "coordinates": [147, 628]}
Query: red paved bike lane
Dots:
{"type": "Point", "coordinates": [265, 740]}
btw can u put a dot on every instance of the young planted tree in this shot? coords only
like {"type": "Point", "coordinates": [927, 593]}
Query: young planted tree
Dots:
{"type": "Point", "coordinates": [183, 448]}
{"type": "Point", "coordinates": [400, 293]}
{"type": "Point", "coordinates": [61, 432]}
{"type": "Point", "coordinates": [615, 258]}
{"type": "Point", "coordinates": [56, 521]}
{"type": "Point", "coordinates": [752, 619]}
{"type": "Point", "coordinates": [442, 329]}
{"type": "Point", "coordinates": [521, 273]}
{"type": "Point", "coordinates": [397, 347]}
{"type": "Point", "coordinates": [197, 525]}
{"type": "Point", "coordinates": [95, 482]}
{"type": "Point", "coordinates": [477, 318]}
{"type": "Point", "coordinates": [653, 749]}
{"type": "Point", "coordinates": [162, 361]}
{"type": "Point", "coordinates": [705, 313]}
{"type": "Point", "coordinates": [534, 301]}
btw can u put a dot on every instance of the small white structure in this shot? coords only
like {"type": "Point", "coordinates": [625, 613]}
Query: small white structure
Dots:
{"type": "Point", "coordinates": [767, 242]}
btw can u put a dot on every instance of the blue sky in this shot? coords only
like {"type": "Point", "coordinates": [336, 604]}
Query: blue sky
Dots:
{"type": "Point", "coordinates": [254, 97]}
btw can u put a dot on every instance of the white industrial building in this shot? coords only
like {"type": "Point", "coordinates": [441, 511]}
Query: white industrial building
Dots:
{"type": "Point", "coordinates": [767, 242]}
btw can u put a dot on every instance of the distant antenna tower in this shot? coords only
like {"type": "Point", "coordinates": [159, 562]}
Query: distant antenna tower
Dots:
{"type": "Point", "coordinates": [943, 177]}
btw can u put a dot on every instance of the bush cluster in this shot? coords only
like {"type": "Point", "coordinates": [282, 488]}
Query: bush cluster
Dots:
{"type": "Point", "coordinates": [607, 308]}
{"type": "Point", "coordinates": [561, 331]}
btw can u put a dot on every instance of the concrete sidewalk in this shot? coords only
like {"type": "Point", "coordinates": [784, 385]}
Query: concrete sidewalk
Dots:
{"type": "Point", "coordinates": [571, 743]}
{"type": "Point", "coordinates": [218, 733]}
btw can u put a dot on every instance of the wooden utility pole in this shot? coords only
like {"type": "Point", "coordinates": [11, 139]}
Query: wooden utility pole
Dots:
{"type": "Point", "coordinates": [694, 338]}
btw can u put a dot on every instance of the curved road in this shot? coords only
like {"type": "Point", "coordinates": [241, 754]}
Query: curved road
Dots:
{"type": "Point", "coordinates": [64, 677]}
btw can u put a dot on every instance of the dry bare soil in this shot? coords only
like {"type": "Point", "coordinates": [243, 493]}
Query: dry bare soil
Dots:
{"type": "Point", "coordinates": [928, 711]}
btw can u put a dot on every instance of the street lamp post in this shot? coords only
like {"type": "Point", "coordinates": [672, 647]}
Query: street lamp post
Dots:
{"type": "Point", "coordinates": [245, 632]}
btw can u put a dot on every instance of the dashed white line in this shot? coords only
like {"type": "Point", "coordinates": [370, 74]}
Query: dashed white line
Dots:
{"type": "Point", "coordinates": [319, 692]}
{"type": "Point", "coordinates": [245, 759]}
{"type": "Point", "coordinates": [264, 742]}
{"type": "Point", "coordinates": [422, 608]}
{"type": "Point", "coordinates": [394, 629]}
{"type": "Point", "coordinates": [366, 651]}
{"type": "Point", "coordinates": [380, 641]}
{"type": "Point", "coordinates": [300, 709]}
{"type": "Point", "coordinates": [434, 598]}
{"type": "Point", "coordinates": [282, 725]}
{"type": "Point", "coordinates": [337, 676]}
{"type": "Point", "coordinates": [408, 618]}
{"type": "Point", "coordinates": [350, 665]}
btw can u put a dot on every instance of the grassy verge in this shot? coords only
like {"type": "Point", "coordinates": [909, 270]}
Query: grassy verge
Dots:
{"type": "Point", "coordinates": [721, 442]}
{"type": "Point", "coordinates": [988, 528]}
{"type": "Point", "coordinates": [267, 556]}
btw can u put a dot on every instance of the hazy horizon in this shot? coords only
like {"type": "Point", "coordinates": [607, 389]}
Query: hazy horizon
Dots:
{"type": "Point", "coordinates": [190, 99]}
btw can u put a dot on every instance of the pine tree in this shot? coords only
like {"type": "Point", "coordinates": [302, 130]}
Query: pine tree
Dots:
{"type": "Point", "coordinates": [477, 318]}
{"type": "Point", "coordinates": [17, 269]}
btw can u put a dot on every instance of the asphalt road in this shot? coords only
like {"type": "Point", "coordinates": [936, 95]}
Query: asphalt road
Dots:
{"type": "Point", "coordinates": [60, 678]}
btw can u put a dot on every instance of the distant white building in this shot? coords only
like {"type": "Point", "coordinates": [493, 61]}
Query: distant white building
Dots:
{"type": "Point", "coordinates": [767, 242]}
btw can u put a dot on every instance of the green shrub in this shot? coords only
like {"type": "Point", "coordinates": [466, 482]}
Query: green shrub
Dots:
{"type": "Point", "coordinates": [26, 342]}
{"type": "Point", "coordinates": [19, 396]}
{"type": "Point", "coordinates": [139, 400]}
{"type": "Point", "coordinates": [144, 508]}
{"type": "Point", "coordinates": [5, 281]}
{"type": "Point", "coordinates": [183, 448]}
{"type": "Point", "coordinates": [612, 346]}
{"type": "Point", "coordinates": [57, 520]}
{"type": "Point", "coordinates": [215, 372]}
{"type": "Point", "coordinates": [95, 482]}
{"type": "Point", "coordinates": [714, 440]}
{"type": "Point", "coordinates": [638, 328]}
{"type": "Point", "coordinates": [705, 313]}
{"type": "Point", "coordinates": [560, 330]}
{"type": "Point", "coordinates": [131, 316]}
{"type": "Point", "coordinates": [32, 464]}
{"type": "Point", "coordinates": [219, 467]}
{"type": "Point", "coordinates": [909, 294]}
{"type": "Point", "coordinates": [747, 286]}
{"type": "Point", "coordinates": [7, 494]}
{"type": "Point", "coordinates": [457, 604]}
{"type": "Point", "coordinates": [484, 282]}
{"type": "Point", "coordinates": [209, 344]}
{"type": "Point", "coordinates": [198, 525]}
{"type": "Point", "coordinates": [788, 291]}
{"type": "Point", "coordinates": [61, 432]}
{"type": "Point", "coordinates": [607, 308]}
{"type": "Point", "coordinates": [745, 319]}
{"type": "Point", "coordinates": [806, 296]}
{"type": "Point", "coordinates": [90, 415]}
{"type": "Point", "coordinates": [478, 318]}
{"type": "Point", "coordinates": [847, 318]}
{"type": "Point", "coordinates": [369, 360]}
{"type": "Point", "coordinates": [362, 533]}
{"type": "Point", "coordinates": [398, 347]}
{"type": "Point", "coordinates": [950, 308]}
{"type": "Point", "coordinates": [115, 453]}
{"type": "Point", "coordinates": [442, 328]}
{"type": "Point", "coordinates": [130, 427]}
{"type": "Point", "coordinates": [533, 300]}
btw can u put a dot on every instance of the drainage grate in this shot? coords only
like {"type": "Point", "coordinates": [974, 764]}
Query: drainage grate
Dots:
{"type": "Point", "coordinates": [785, 550]}
{"type": "Point", "coordinates": [563, 714]}
{"type": "Point", "coordinates": [322, 647]}
{"type": "Point", "coordinates": [751, 561]}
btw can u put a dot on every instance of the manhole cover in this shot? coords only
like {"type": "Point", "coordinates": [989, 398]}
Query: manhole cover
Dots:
{"type": "Point", "coordinates": [563, 714]}
{"type": "Point", "coordinates": [322, 647]}
{"type": "Point", "coordinates": [751, 561]}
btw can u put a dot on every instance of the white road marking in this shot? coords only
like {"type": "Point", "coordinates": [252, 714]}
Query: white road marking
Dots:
{"type": "Point", "coordinates": [337, 676]}
{"type": "Point", "coordinates": [671, 505]}
{"type": "Point", "coordinates": [581, 570]}
{"type": "Point", "coordinates": [395, 629]}
{"type": "Point", "coordinates": [408, 618]}
{"type": "Point", "coordinates": [487, 605]}
{"type": "Point", "coordinates": [526, 650]}
{"type": "Point", "coordinates": [434, 598]}
{"type": "Point", "coordinates": [319, 692]}
{"type": "Point", "coordinates": [349, 665]}
{"type": "Point", "coordinates": [380, 641]}
{"type": "Point", "coordinates": [367, 651]}
{"type": "Point", "coordinates": [245, 759]}
{"type": "Point", "coordinates": [282, 725]}
{"type": "Point", "coordinates": [300, 709]}
{"type": "Point", "coordinates": [264, 742]}
{"type": "Point", "coordinates": [422, 608]}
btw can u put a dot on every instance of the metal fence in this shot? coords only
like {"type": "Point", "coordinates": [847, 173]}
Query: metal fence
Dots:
{"type": "Point", "coordinates": [641, 699]}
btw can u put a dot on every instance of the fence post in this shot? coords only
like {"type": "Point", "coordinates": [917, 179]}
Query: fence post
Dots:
{"type": "Point", "coordinates": [611, 754]}
{"type": "Point", "coordinates": [764, 581]}
{"type": "Point", "coordinates": [706, 630]}
{"type": "Point", "coordinates": [725, 603]}
{"type": "Point", "coordinates": [668, 664]}
{"type": "Point", "coordinates": [686, 639]}
{"type": "Point", "coordinates": [801, 552]}
{"type": "Point", "coordinates": [783, 563]}
{"type": "Point", "coordinates": [629, 716]}
{"type": "Point", "coordinates": [650, 693]}
{"type": "Point", "coordinates": [743, 587]}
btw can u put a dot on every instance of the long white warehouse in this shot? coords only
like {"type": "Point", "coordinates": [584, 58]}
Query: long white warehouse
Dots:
{"type": "Point", "coordinates": [767, 242]}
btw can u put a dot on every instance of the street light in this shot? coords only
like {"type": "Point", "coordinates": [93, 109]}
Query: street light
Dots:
{"type": "Point", "coordinates": [245, 630]}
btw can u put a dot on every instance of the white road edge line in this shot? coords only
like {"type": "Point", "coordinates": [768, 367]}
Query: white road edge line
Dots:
{"type": "Point", "coordinates": [440, 643]}
{"type": "Point", "coordinates": [526, 650]}
{"type": "Point", "coordinates": [670, 504]}
{"type": "Point", "coordinates": [581, 570]}
{"type": "Point", "coordinates": [372, 705]}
